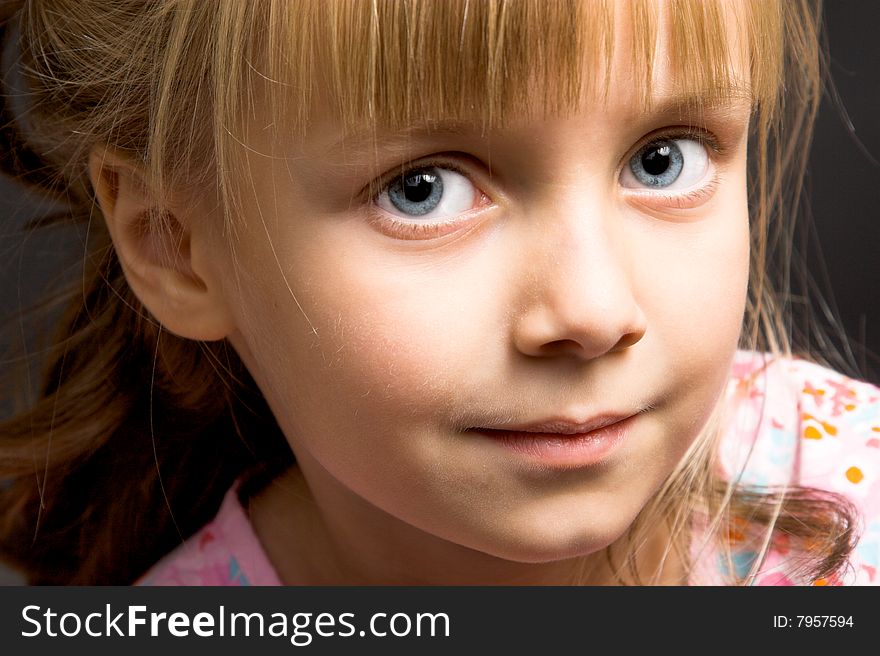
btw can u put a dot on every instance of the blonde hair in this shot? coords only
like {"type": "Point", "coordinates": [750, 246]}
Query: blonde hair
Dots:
{"type": "Point", "coordinates": [173, 82]}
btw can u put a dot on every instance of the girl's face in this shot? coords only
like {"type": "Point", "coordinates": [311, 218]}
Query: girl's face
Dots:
{"type": "Point", "coordinates": [556, 269]}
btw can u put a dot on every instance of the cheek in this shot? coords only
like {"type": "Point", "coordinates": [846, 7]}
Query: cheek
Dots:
{"type": "Point", "coordinates": [383, 343]}
{"type": "Point", "coordinates": [400, 338]}
{"type": "Point", "coordinates": [697, 290]}
{"type": "Point", "coordinates": [690, 278]}
{"type": "Point", "coordinates": [697, 284]}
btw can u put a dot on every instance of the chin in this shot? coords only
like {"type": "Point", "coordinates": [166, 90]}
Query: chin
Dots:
{"type": "Point", "coordinates": [547, 543]}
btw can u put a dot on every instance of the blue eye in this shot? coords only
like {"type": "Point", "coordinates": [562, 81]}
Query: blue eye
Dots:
{"type": "Point", "coordinates": [429, 192]}
{"type": "Point", "coordinates": [416, 193]}
{"type": "Point", "coordinates": [658, 164]}
{"type": "Point", "coordinates": [667, 164]}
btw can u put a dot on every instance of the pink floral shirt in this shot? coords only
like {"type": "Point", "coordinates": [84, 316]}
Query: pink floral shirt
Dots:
{"type": "Point", "coordinates": [803, 424]}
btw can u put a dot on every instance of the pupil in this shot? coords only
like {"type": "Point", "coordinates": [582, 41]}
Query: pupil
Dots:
{"type": "Point", "coordinates": [656, 160]}
{"type": "Point", "coordinates": [417, 188]}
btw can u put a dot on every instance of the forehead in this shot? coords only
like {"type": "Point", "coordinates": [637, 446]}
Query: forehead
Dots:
{"type": "Point", "coordinates": [394, 65]}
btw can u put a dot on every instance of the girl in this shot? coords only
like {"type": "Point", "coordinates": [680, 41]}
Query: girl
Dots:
{"type": "Point", "coordinates": [409, 292]}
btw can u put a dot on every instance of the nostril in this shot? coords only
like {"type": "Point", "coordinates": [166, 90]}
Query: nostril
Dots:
{"type": "Point", "coordinates": [561, 346]}
{"type": "Point", "coordinates": [627, 340]}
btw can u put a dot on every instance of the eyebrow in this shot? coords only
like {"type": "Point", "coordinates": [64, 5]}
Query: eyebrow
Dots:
{"type": "Point", "coordinates": [364, 141]}
{"type": "Point", "coordinates": [732, 104]}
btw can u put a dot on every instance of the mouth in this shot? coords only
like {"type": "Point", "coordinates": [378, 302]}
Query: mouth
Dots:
{"type": "Point", "coordinates": [563, 426]}
{"type": "Point", "coordinates": [563, 443]}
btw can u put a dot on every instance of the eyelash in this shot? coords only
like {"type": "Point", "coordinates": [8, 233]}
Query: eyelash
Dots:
{"type": "Point", "coordinates": [413, 230]}
{"type": "Point", "coordinates": [681, 200]}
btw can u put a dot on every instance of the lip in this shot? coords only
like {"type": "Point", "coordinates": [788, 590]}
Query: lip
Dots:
{"type": "Point", "coordinates": [562, 426]}
{"type": "Point", "coordinates": [562, 443]}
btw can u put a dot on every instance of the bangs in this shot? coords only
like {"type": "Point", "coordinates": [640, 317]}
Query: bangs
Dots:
{"type": "Point", "coordinates": [396, 63]}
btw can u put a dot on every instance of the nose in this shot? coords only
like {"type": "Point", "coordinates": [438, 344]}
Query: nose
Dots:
{"type": "Point", "coordinates": [579, 298]}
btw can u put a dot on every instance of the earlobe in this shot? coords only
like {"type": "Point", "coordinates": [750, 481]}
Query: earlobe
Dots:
{"type": "Point", "coordinates": [154, 245]}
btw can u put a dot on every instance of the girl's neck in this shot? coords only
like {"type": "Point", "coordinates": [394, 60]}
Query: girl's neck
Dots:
{"type": "Point", "coordinates": [359, 544]}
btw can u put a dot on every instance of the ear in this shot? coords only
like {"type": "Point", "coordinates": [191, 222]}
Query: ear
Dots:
{"type": "Point", "coordinates": [156, 246]}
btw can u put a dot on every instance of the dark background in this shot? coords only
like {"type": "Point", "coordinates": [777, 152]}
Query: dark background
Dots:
{"type": "Point", "coordinates": [841, 238]}
{"type": "Point", "coordinates": [844, 181]}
